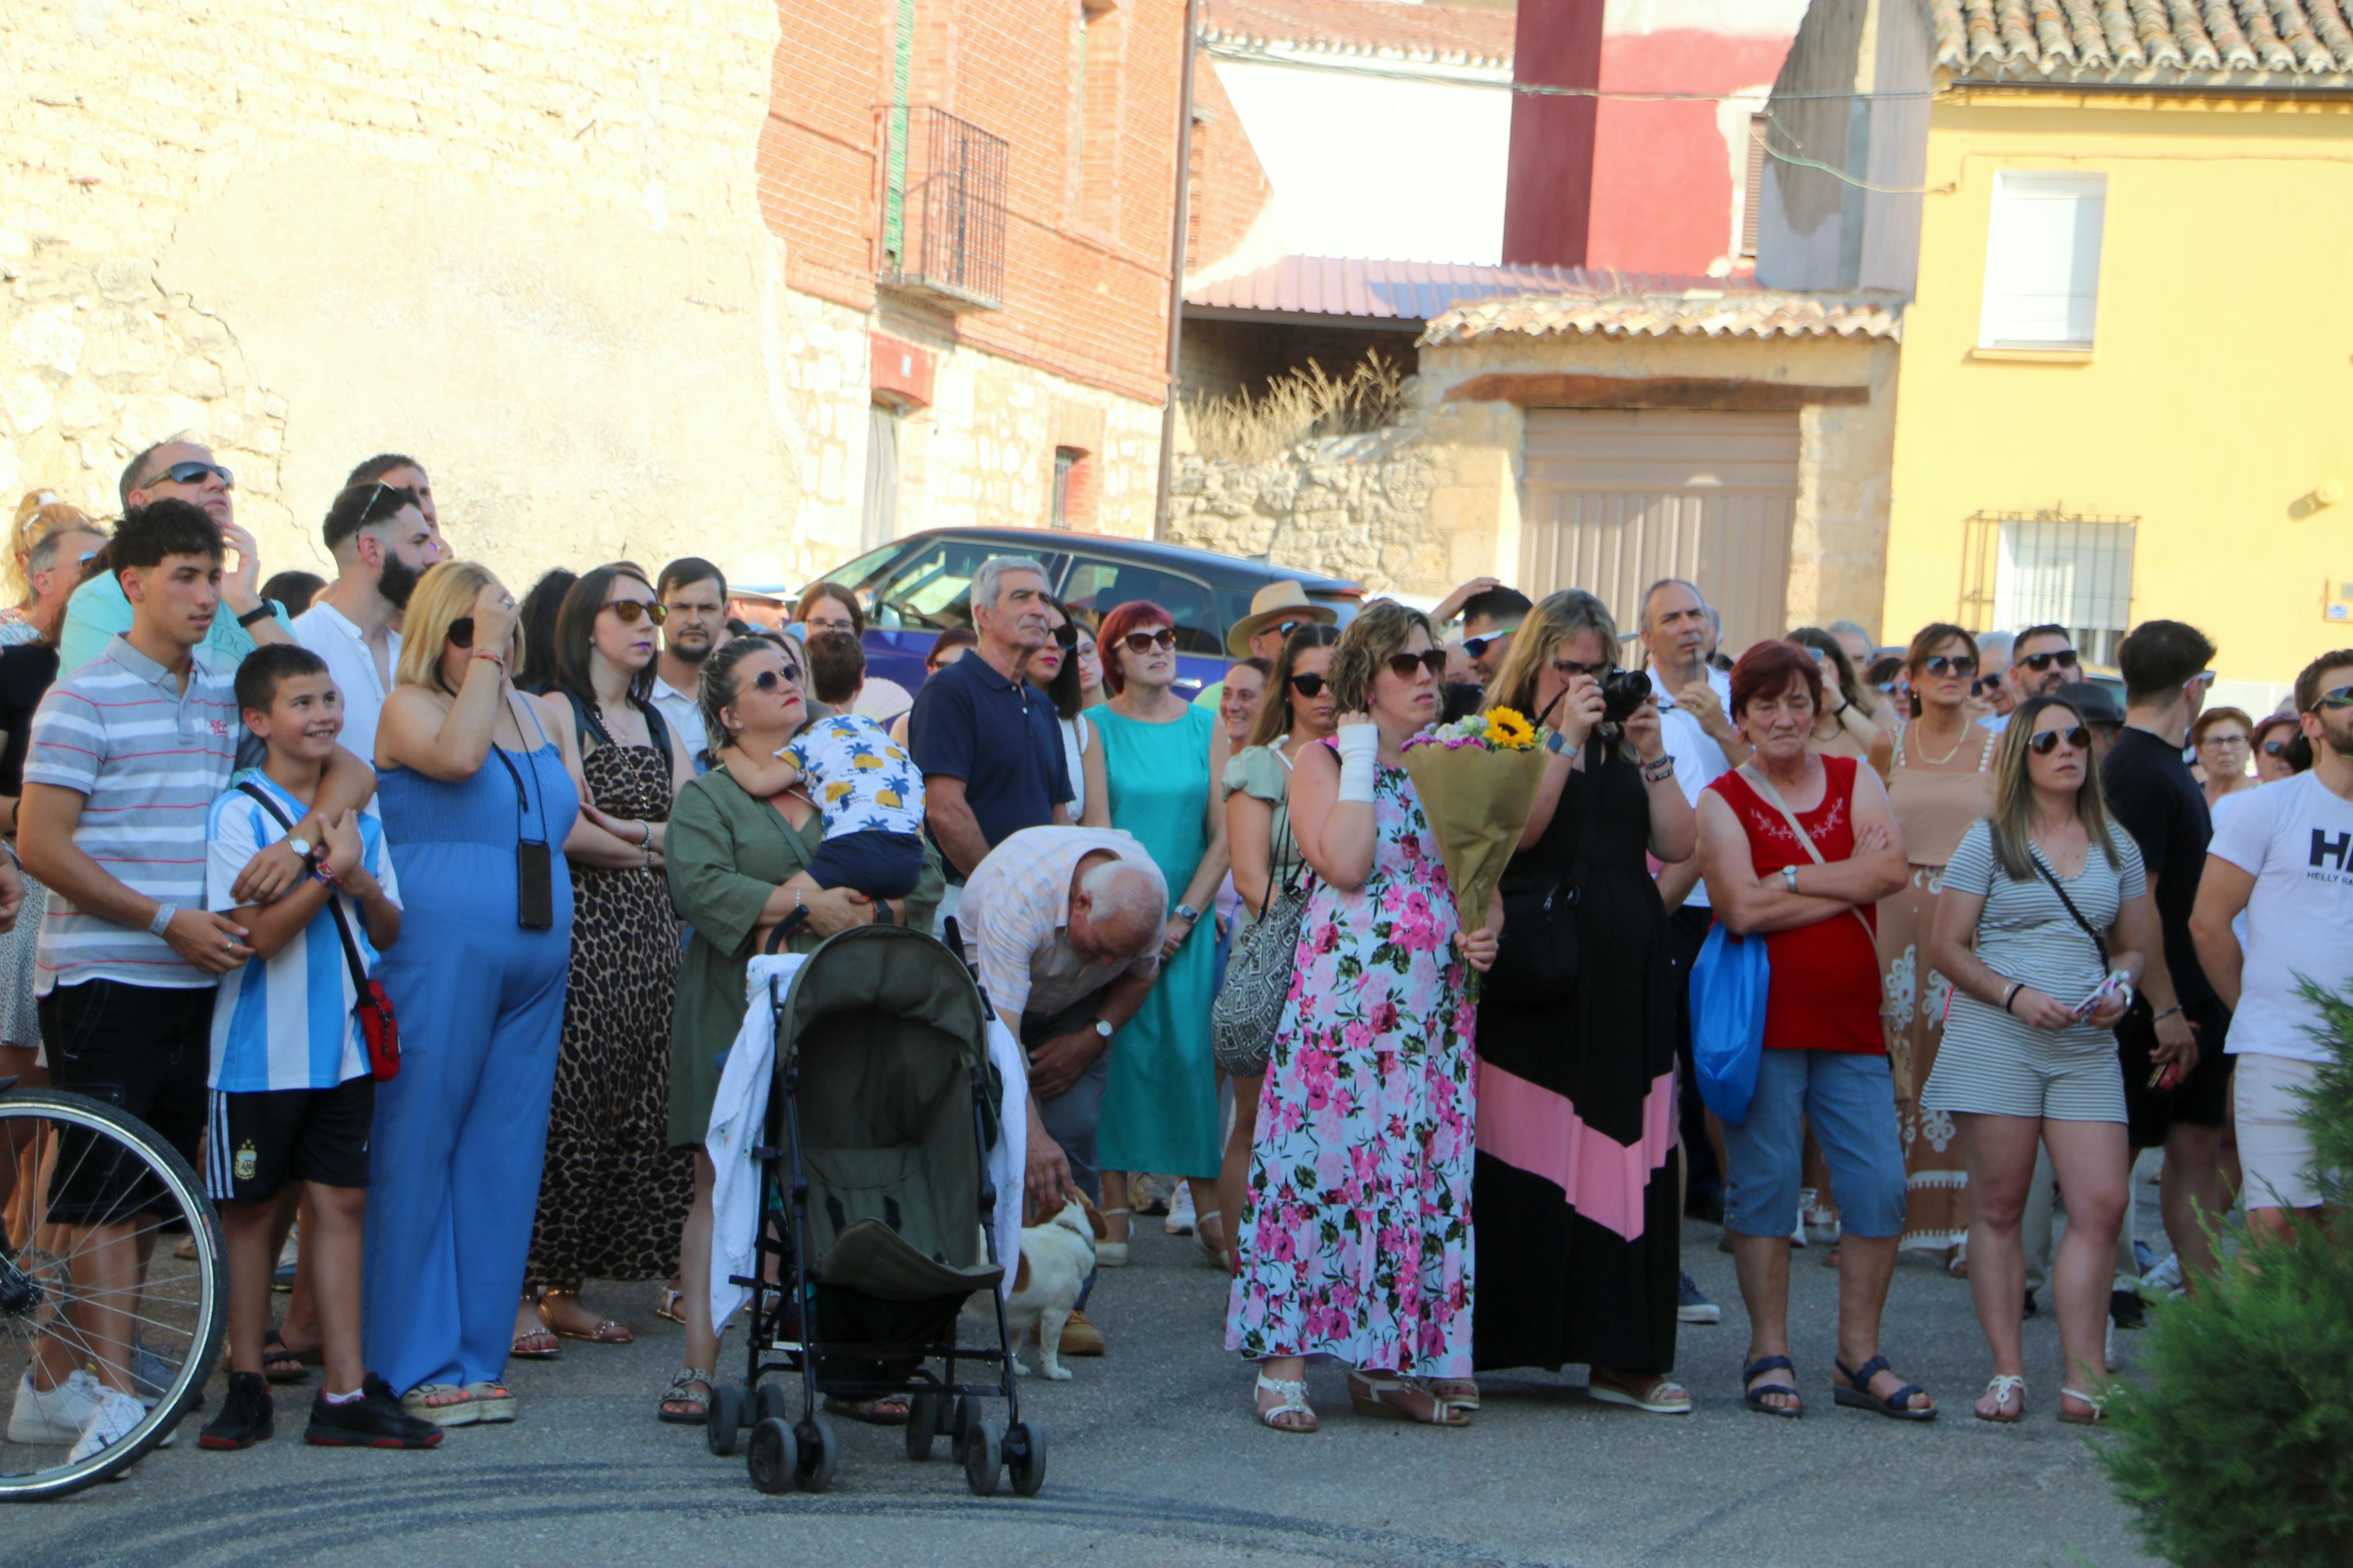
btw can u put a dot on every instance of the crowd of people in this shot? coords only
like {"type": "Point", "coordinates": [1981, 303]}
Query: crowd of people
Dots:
{"type": "Point", "coordinates": [2018, 933]}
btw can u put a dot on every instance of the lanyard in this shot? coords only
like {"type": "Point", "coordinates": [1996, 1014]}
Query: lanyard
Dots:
{"type": "Point", "coordinates": [522, 795]}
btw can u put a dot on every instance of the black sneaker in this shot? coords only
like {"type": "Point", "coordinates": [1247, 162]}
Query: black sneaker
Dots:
{"type": "Point", "coordinates": [2030, 1307]}
{"type": "Point", "coordinates": [2127, 1308]}
{"type": "Point", "coordinates": [247, 1416]}
{"type": "Point", "coordinates": [373, 1420]}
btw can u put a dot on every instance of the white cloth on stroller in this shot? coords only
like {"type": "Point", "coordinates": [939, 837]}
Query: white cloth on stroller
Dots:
{"type": "Point", "coordinates": [739, 1112]}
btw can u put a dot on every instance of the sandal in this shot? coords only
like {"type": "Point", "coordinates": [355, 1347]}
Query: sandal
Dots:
{"type": "Point", "coordinates": [1896, 1407]}
{"type": "Point", "coordinates": [1213, 1253]}
{"type": "Point", "coordinates": [1654, 1392]}
{"type": "Point", "coordinates": [2001, 1390]}
{"type": "Point", "coordinates": [492, 1402]}
{"type": "Point", "coordinates": [1112, 1253]}
{"type": "Point", "coordinates": [1753, 1396]}
{"type": "Point", "coordinates": [1292, 1394]}
{"type": "Point", "coordinates": [442, 1403]}
{"type": "Point", "coordinates": [539, 1344]}
{"type": "Point", "coordinates": [668, 1304]}
{"type": "Point", "coordinates": [605, 1332]}
{"type": "Point", "coordinates": [1409, 1399]}
{"type": "Point", "coordinates": [891, 1410]}
{"type": "Point", "coordinates": [2098, 1402]}
{"type": "Point", "coordinates": [681, 1407]}
{"type": "Point", "coordinates": [1461, 1393]}
{"type": "Point", "coordinates": [278, 1364]}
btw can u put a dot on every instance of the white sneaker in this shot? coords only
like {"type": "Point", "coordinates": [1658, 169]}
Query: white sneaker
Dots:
{"type": "Point", "coordinates": [57, 1415]}
{"type": "Point", "coordinates": [1805, 1201]}
{"type": "Point", "coordinates": [2165, 1279]}
{"type": "Point", "coordinates": [1181, 1210]}
{"type": "Point", "coordinates": [115, 1417]}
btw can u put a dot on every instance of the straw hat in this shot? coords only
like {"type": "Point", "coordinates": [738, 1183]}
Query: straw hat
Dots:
{"type": "Point", "coordinates": [1275, 601]}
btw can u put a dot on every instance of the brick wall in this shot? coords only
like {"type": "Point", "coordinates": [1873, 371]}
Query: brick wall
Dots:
{"type": "Point", "coordinates": [1230, 191]}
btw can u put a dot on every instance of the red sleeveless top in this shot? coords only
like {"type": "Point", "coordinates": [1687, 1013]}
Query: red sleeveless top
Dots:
{"type": "Point", "coordinates": [1826, 990]}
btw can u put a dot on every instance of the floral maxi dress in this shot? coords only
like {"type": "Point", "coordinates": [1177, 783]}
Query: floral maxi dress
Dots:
{"type": "Point", "coordinates": [1356, 1235]}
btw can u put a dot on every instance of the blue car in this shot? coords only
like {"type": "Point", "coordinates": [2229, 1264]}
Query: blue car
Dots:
{"type": "Point", "coordinates": [919, 586]}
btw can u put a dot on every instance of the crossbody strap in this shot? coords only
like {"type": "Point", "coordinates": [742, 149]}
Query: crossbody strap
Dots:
{"type": "Point", "coordinates": [1772, 797]}
{"type": "Point", "coordinates": [334, 895]}
{"type": "Point", "coordinates": [2035, 854]}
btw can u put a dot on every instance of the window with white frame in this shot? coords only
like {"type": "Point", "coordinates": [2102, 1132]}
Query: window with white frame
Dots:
{"type": "Point", "coordinates": [2053, 567]}
{"type": "Point", "coordinates": [2042, 260]}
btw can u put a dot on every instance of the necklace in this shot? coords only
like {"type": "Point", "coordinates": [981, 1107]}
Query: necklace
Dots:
{"type": "Point", "coordinates": [1939, 762]}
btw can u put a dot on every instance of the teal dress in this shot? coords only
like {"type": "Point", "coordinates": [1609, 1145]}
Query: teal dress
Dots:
{"type": "Point", "coordinates": [1160, 1103]}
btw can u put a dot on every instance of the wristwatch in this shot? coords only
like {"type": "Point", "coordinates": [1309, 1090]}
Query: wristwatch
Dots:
{"type": "Point", "coordinates": [1188, 913]}
{"type": "Point", "coordinates": [1103, 1028]}
{"type": "Point", "coordinates": [1789, 878]}
{"type": "Point", "coordinates": [260, 612]}
{"type": "Point", "coordinates": [301, 845]}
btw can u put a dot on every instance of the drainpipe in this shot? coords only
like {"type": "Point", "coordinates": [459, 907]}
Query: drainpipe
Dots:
{"type": "Point", "coordinates": [1177, 273]}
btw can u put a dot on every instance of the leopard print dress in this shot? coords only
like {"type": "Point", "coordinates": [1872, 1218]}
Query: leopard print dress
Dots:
{"type": "Point", "coordinates": [614, 1194]}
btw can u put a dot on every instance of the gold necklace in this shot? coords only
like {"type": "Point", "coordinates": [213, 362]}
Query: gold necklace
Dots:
{"type": "Point", "coordinates": [1922, 734]}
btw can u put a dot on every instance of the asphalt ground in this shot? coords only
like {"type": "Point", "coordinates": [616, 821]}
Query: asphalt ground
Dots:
{"type": "Point", "coordinates": [1153, 1459]}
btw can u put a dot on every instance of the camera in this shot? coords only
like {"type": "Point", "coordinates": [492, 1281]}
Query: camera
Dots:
{"type": "Point", "coordinates": [1622, 691]}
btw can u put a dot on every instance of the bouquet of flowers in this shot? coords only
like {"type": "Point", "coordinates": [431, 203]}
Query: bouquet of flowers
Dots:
{"type": "Point", "coordinates": [1477, 778]}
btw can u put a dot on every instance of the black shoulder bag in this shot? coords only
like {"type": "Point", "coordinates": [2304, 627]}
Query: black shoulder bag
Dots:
{"type": "Point", "coordinates": [1536, 957]}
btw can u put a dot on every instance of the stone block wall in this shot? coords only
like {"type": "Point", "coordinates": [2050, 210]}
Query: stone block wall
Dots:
{"type": "Point", "coordinates": [1354, 506]}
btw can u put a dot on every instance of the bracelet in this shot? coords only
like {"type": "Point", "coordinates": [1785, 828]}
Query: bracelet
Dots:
{"type": "Point", "coordinates": [164, 913]}
{"type": "Point", "coordinates": [2012, 994]}
{"type": "Point", "coordinates": [498, 658]}
{"type": "Point", "coordinates": [1660, 771]}
{"type": "Point", "coordinates": [2169, 1012]}
{"type": "Point", "coordinates": [260, 612]}
{"type": "Point", "coordinates": [645, 836]}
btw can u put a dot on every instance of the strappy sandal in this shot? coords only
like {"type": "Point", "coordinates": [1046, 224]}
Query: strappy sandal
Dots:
{"type": "Point", "coordinates": [1291, 1393]}
{"type": "Point", "coordinates": [679, 1395]}
{"type": "Point", "coordinates": [1461, 1393]}
{"type": "Point", "coordinates": [605, 1332]}
{"type": "Point", "coordinates": [2098, 1402]}
{"type": "Point", "coordinates": [1112, 1253]}
{"type": "Point", "coordinates": [1896, 1407]}
{"type": "Point", "coordinates": [2001, 1390]}
{"type": "Point", "coordinates": [492, 1400]}
{"type": "Point", "coordinates": [1656, 1393]}
{"type": "Point", "coordinates": [539, 1344]}
{"type": "Point", "coordinates": [1753, 1396]}
{"type": "Point", "coordinates": [1408, 1399]}
{"type": "Point", "coordinates": [667, 1304]}
{"type": "Point", "coordinates": [1213, 1253]}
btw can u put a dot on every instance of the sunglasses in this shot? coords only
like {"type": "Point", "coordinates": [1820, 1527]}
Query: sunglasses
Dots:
{"type": "Point", "coordinates": [631, 611]}
{"type": "Point", "coordinates": [1477, 646]}
{"type": "Point", "coordinates": [2038, 662]}
{"type": "Point", "coordinates": [1952, 664]}
{"type": "Point", "coordinates": [1569, 668]}
{"type": "Point", "coordinates": [769, 679]}
{"type": "Point", "coordinates": [1067, 634]}
{"type": "Point", "coordinates": [1144, 642]}
{"type": "Point", "coordinates": [2274, 748]}
{"type": "Point", "coordinates": [194, 474]}
{"type": "Point", "coordinates": [461, 632]}
{"type": "Point", "coordinates": [2335, 697]}
{"type": "Point", "coordinates": [2043, 743]}
{"type": "Point", "coordinates": [1405, 664]}
{"type": "Point", "coordinates": [1309, 685]}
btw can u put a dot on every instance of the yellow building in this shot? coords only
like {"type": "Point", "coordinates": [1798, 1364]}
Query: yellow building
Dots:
{"type": "Point", "coordinates": [2126, 235]}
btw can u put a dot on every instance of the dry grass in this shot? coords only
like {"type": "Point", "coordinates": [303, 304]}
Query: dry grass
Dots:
{"type": "Point", "coordinates": [1296, 407]}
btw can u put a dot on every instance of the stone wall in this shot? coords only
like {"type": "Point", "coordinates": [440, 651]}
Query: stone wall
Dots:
{"type": "Point", "coordinates": [1354, 506]}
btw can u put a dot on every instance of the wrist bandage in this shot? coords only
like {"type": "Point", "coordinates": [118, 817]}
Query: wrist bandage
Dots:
{"type": "Point", "coordinates": [1358, 745]}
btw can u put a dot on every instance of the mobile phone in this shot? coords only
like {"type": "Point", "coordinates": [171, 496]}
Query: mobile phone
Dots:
{"type": "Point", "coordinates": [2106, 989]}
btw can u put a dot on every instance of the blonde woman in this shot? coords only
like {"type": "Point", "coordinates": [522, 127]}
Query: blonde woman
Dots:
{"type": "Point", "coordinates": [479, 796]}
{"type": "Point", "coordinates": [27, 611]}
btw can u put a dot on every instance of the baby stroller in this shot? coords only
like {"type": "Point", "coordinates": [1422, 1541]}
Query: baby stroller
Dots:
{"type": "Point", "coordinates": [874, 1217]}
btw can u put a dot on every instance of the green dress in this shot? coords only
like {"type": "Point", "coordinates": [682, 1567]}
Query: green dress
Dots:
{"type": "Point", "coordinates": [1160, 1102]}
{"type": "Point", "coordinates": [726, 853]}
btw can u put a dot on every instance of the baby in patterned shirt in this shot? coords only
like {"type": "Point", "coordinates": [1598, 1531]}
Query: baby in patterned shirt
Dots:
{"type": "Point", "coordinates": [862, 782]}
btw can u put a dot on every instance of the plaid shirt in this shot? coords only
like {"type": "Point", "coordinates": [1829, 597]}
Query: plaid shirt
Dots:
{"type": "Point", "coordinates": [1016, 918]}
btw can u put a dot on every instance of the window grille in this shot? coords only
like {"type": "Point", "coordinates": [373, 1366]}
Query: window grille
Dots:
{"type": "Point", "coordinates": [953, 247]}
{"type": "Point", "coordinates": [2053, 567]}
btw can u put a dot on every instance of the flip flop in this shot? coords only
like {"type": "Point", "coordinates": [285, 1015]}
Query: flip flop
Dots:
{"type": "Point", "coordinates": [280, 1363]}
{"type": "Point", "coordinates": [1896, 1407]}
{"type": "Point", "coordinates": [1753, 1395]}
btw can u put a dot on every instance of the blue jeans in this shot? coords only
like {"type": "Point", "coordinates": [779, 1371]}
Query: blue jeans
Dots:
{"type": "Point", "coordinates": [1850, 1100]}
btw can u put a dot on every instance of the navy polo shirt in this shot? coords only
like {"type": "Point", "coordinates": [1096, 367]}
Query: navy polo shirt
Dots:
{"type": "Point", "coordinates": [1000, 737]}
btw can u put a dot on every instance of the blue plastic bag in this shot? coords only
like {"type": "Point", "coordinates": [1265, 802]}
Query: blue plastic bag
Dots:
{"type": "Point", "coordinates": [1728, 984]}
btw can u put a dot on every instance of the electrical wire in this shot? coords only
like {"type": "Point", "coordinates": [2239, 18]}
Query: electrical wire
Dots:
{"type": "Point", "coordinates": [1249, 54]}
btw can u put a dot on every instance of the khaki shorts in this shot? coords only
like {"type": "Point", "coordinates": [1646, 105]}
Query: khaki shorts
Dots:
{"type": "Point", "coordinates": [2274, 1148]}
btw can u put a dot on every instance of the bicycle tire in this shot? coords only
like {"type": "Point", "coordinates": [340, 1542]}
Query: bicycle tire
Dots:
{"type": "Point", "coordinates": [208, 1270]}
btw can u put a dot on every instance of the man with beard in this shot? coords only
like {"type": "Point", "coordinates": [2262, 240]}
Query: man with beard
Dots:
{"type": "Point", "coordinates": [693, 594]}
{"type": "Point", "coordinates": [382, 532]}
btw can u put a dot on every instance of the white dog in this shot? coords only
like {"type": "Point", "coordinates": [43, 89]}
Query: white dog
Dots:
{"type": "Point", "coordinates": [1056, 1258]}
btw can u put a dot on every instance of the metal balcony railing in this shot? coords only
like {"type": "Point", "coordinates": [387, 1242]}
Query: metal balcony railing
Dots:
{"type": "Point", "coordinates": [943, 216]}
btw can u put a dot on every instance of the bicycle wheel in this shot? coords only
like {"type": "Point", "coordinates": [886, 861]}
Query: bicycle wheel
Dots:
{"type": "Point", "coordinates": [113, 1274]}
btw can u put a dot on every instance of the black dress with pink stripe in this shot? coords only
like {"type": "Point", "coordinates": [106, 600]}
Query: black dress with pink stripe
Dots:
{"type": "Point", "coordinates": [1575, 1187]}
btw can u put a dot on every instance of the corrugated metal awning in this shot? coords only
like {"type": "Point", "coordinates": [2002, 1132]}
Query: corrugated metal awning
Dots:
{"type": "Point", "coordinates": [1405, 291]}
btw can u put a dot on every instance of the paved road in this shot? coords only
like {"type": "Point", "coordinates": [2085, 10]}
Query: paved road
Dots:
{"type": "Point", "coordinates": [1154, 1461]}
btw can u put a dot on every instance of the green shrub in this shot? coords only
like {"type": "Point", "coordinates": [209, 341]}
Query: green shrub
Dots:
{"type": "Point", "coordinates": [2237, 1450]}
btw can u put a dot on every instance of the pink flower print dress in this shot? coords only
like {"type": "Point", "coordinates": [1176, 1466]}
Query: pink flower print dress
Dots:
{"type": "Point", "coordinates": [1356, 1235]}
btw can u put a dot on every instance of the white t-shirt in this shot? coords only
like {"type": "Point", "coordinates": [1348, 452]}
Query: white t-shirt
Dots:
{"type": "Point", "coordinates": [329, 633]}
{"type": "Point", "coordinates": [1699, 761]}
{"type": "Point", "coordinates": [2294, 837]}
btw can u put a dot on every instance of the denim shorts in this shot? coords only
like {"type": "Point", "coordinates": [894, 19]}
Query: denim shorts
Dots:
{"type": "Point", "coordinates": [1849, 1102]}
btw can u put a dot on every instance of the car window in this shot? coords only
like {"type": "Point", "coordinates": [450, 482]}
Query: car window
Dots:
{"type": "Point", "coordinates": [932, 589]}
{"type": "Point", "coordinates": [858, 576]}
{"type": "Point", "coordinates": [1097, 587]}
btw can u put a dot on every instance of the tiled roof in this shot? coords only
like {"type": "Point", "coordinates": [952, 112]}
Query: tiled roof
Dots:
{"type": "Point", "coordinates": [1638, 308]}
{"type": "Point", "coordinates": [1376, 289]}
{"type": "Point", "coordinates": [2155, 41]}
{"type": "Point", "coordinates": [1367, 29]}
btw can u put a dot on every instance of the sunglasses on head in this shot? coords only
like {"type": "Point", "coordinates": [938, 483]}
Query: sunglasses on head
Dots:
{"type": "Point", "coordinates": [2038, 662]}
{"type": "Point", "coordinates": [1404, 665]}
{"type": "Point", "coordinates": [1144, 642]}
{"type": "Point", "coordinates": [1959, 664]}
{"type": "Point", "coordinates": [2335, 697]}
{"type": "Point", "coordinates": [1477, 646]}
{"type": "Point", "coordinates": [632, 610]}
{"type": "Point", "coordinates": [2045, 742]}
{"type": "Point", "coordinates": [1310, 685]}
{"type": "Point", "coordinates": [192, 473]}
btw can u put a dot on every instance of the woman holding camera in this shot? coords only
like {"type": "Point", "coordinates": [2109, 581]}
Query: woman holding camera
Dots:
{"type": "Point", "coordinates": [1578, 1179]}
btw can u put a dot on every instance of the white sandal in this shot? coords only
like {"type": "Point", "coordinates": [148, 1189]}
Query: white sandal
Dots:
{"type": "Point", "coordinates": [2000, 1390]}
{"type": "Point", "coordinates": [1112, 1253]}
{"type": "Point", "coordinates": [2098, 1402]}
{"type": "Point", "coordinates": [1292, 1391]}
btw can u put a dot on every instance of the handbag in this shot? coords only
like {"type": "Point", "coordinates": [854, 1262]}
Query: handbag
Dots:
{"type": "Point", "coordinates": [1536, 957]}
{"type": "Point", "coordinates": [379, 1030]}
{"type": "Point", "coordinates": [1729, 982]}
{"type": "Point", "coordinates": [1249, 1006]}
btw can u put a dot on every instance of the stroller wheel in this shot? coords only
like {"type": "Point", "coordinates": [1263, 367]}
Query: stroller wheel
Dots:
{"type": "Point", "coordinates": [771, 1401]}
{"type": "Point", "coordinates": [955, 1421]}
{"type": "Point", "coordinates": [1025, 1458]}
{"type": "Point", "coordinates": [922, 1424]}
{"type": "Point", "coordinates": [984, 1457]}
{"type": "Point", "coordinates": [725, 1418]}
{"type": "Point", "coordinates": [819, 1450]}
{"type": "Point", "coordinates": [775, 1456]}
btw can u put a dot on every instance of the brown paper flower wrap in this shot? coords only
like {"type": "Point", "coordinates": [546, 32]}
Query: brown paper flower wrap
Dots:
{"type": "Point", "coordinates": [1477, 780]}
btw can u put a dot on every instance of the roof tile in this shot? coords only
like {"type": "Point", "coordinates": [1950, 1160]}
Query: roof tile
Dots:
{"type": "Point", "coordinates": [2161, 42]}
{"type": "Point", "coordinates": [1395, 29]}
{"type": "Point", "coordinates": [1638, 308]}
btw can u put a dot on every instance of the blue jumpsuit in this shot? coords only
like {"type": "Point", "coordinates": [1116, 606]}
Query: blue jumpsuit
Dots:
{"type": "Point", "coordinates": [460, 1132]}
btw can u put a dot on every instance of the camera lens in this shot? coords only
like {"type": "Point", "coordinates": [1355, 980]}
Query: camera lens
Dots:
{"type": "Point", "coordinates": [1622, 691]}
